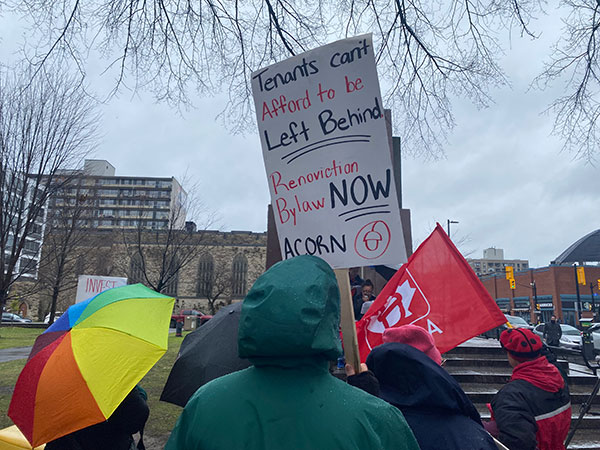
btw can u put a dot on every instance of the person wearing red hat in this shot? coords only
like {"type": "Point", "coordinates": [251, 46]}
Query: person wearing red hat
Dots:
{"type": "Point", "coordinates": [533, 410]}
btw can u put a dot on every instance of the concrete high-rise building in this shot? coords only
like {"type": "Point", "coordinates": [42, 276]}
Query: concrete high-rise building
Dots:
{"type": "Point", "coordinates": [29, 259]}
{"type": "Point", "coordinates": [493, 262]}
{"type": "Point", "coordinates": [109, 201]}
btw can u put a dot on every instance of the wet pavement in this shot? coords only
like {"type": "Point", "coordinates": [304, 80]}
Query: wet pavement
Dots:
{"type": "Point", "coordinates": [11, 354]}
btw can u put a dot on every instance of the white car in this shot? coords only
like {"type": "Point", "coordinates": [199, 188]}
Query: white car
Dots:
{"type": "Point", "coordinates": [571, 336]}
{"type": "Point", "coordinates": [57, 314]}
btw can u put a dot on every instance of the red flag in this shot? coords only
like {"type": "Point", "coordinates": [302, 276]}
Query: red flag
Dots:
{"type": "Point", "coordinates": [437, 290]}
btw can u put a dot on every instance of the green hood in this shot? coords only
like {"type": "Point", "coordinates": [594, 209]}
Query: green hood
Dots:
{"type": "Point", "coordinates": [292, 314]}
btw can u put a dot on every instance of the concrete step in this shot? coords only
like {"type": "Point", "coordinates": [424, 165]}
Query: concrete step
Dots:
{"type": "Point", "coordinates": [588, 422]}
{"type": "Point", "coordinates": [585, 439]}
{"type": "Point", "coordinates": [476, 388]}
{"type": "Point", "coordinates": [481, 351]}
{"type": "Point", "coordinates": [480, 362]}
{"type": "Point", "coordinates": [501, 376]}
{"type": "Point", "coordinates": [576, 398]}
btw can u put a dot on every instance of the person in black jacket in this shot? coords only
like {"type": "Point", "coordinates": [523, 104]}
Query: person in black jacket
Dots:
{"type": "Point", "coordinates": [552, 332]}
{"type": "Point", "coordinates": [113, 434]}
{"type": "Point", "coordinates": [364, 296]}
{"type": "Point", "coordinates": [410, 377]}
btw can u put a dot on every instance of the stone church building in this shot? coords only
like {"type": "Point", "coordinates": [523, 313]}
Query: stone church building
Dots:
{"type": "Point", "coordinates": [194, 267]}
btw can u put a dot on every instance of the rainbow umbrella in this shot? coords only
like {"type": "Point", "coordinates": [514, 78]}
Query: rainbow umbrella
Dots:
{"type": "Point", "coordinates": [83, 366]}
{"type": "Point", "coordinates": [11, 438]}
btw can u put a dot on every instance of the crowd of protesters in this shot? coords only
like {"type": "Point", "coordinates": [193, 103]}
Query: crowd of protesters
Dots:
{"type": "Point", "coordinates": [402, 398]}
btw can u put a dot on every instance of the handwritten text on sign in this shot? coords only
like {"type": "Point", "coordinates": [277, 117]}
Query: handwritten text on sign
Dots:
{"type": "Point", "coordinates": [90, 285]}
{"type": "Point", "coordinates": [327, 156]}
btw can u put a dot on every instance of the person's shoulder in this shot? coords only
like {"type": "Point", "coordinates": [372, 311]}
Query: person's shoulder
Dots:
{"type": "Point", "coordinates": [220, 387]}
{"type": "Point", "coordinates": [515, 390]}
{"type": "Point", "coordinates": [362, 400]}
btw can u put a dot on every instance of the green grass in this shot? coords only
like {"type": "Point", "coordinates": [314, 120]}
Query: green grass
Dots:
{"type": "Point", "coordinates": [18, 337]}
{"type": "Point", "coordinates": [162, 415]}
{"type": "Point", "coordinates": [9, 372]}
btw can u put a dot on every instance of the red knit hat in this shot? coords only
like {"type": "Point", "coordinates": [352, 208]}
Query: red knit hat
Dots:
{"type": "Point", "coordinates": [416, 337]}
{"type": "Point", "coordinates": [521, 342]}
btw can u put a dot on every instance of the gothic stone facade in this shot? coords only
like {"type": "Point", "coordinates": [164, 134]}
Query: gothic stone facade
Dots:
{"type": "Point", "coordinates": [232, 261]}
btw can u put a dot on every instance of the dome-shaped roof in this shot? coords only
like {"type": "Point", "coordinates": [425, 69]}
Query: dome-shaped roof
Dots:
{"type": "Point", "coordinates": [585, 249]}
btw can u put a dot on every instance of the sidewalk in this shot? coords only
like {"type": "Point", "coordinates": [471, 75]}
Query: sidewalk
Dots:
{"type": "Point", "coordinates": [11, 354]}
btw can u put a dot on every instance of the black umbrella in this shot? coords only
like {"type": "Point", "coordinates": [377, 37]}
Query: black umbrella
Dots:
{"type": "Point", "coordinates": [205, 354]}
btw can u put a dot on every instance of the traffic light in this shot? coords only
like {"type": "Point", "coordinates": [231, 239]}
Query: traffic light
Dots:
{"type": "Point", "coordinates": [513, 283]}
{"type": "Point", "coordinates": [581, 275]}
{"type": "Point", "coordinates": [510, 272]}
{"type": "Point", "coordinates": [599, 284]}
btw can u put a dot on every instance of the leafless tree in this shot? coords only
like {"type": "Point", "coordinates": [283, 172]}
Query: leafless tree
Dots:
{"type": "Point", "coordinates": [158, 253]}
{"type": "Point", "coordinates": [64, 234]}
{"type": "Point", "coordinates": [428, 51]}
{"type": "Point", "coordinates": [216, 284]}
{"type": "Point", "coordinates": [575, 61]}
{"type": "Point", "coordinates": [46, 125]}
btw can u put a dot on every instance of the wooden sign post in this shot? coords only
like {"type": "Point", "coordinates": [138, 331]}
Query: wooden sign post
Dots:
{"type": "Point", "coordinates": [347, 320]}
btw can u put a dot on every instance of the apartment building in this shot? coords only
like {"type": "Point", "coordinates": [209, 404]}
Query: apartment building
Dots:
{"type": "Point", "coordinates": [493, 262]}
{"type": "Point", "coordinates": [108, 201]}
{"type": "Point", "coordinates": [20, 201]}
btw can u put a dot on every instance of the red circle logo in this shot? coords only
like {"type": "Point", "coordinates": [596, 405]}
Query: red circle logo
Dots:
{"type": "Point", "coordinates": [372, 240]}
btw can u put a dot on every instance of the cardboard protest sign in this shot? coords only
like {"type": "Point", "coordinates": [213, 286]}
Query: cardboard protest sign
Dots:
{"type": "Point", "coordinates": [90, 285]}
{"type": "Point", "coordinates": [327, 156]}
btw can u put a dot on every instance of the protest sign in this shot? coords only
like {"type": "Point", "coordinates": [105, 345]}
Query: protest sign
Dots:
{"type": "Point", "coordinates": [327, 156]}
{"type": "Point", "coordinates": [91, 285]}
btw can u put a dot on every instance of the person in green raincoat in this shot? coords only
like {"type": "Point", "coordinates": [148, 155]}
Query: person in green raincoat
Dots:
{"type": "Point", "coordinates": [289, 330]}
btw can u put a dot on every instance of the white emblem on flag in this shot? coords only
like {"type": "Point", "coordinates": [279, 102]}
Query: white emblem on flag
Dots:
{"type": "Point", "coordinates": [400, 309]}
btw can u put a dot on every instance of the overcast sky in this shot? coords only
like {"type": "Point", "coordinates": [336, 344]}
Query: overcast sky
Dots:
{"type": "Point", "coordinates": [503, 179]}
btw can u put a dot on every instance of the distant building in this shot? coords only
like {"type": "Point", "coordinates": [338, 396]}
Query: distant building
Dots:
{"type": "Point", "coordinates": [112, 201]}
{"type": "Point", "coordinates": [545, 291]}
{"type": "Point", "coordinates": [556, 289]}
{"type": "Point", "coordinates": [29, 259]}
{"type": "Point", "coordinates": [493, 262]}
{"type": "Point", "coordinates": [226, 261]}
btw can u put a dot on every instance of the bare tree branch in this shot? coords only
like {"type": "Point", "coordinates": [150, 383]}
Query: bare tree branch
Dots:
{"type": "Point", "coordinates": [47, 124]}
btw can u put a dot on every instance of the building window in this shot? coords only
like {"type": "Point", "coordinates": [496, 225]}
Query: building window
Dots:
{"type": "Point", "coordinates": [172, 280]}
{"type": "Point", "coordinates": [31, 247]}
{"type": "Point", "coordinates": [79, 268]}
{"type": "Point", "coordinates": [206, 269]}
{"type": "Point", "coordinates": [28, 266]}
{"type": "Point", "coordinates": [239, 272]}
{"type": "Point", "coordinates": [136, 269]}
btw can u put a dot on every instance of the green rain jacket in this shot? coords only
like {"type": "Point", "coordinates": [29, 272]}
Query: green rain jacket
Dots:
{"type": "Point", "coordinates": [289, 329]}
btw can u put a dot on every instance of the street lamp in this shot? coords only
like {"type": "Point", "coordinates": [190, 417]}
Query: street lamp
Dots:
{"type": "Point", "coordinates": [449, 222]}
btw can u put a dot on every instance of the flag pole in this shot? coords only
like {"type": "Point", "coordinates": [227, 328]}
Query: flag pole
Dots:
{"type": "Point", "coordinates": [347, 320]}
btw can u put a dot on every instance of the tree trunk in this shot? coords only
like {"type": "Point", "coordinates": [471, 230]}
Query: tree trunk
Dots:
{"type": "Point", "coordinates": [3, 298]}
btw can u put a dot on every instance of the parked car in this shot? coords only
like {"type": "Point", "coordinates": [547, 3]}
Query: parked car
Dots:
{"type": "Point", "coordinates": [571, 336]}
{"type": "Point", "coordinates": [200, 317]}
{"type": "Point", "coordinates": [13, 318]}
{"type": "Point", "coordinates": [57, 314]}
{"type": "Point", "coordinates": [515, 322]}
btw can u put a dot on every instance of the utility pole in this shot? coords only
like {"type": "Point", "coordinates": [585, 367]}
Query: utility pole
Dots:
{"type": "Point", "coordinates": [593, 301]}
{"type": "Point", "coordinates": [535, 302]}
{"type": "Point", "coordinates": [577, 290]}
